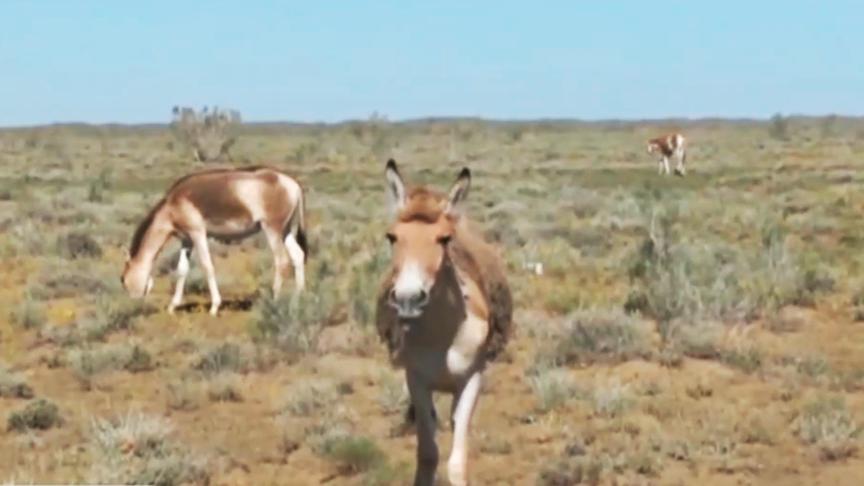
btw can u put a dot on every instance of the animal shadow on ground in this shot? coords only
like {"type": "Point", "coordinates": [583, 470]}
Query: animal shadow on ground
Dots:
{"type": "Point", "coordinates": [237, 305]}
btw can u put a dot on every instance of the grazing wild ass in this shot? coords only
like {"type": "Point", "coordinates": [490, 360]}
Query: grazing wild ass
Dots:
{"type": "Point", "coordinates": [227, 205]}
{"type": "Point", "coordinates": [444, 311]}
{"type": "Point", "coordinates": [669, 146]}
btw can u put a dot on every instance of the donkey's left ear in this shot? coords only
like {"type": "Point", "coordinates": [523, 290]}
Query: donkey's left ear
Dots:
{"type": "Point", "coordinates": [395, 187]}
{"type": "Point", "coordinates": [458, 193]}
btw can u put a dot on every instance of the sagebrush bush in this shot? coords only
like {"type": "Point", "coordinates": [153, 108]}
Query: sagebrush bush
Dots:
{"type": "Point", "coordinates": [76, 244]}
{"type": "Point", "coordinates": [13, 385]}
{"type": "Point", "coordinates": [611, 399]}
{"type": "Point", "coordinates": [309, 399]}
{"type": "Point", "coordinates": [353, 454]}
{"type": "Point", "coordinates": [89, 361]}
{"type": "Point", "coordinates": [28, 314]}
{"type": "Point", "coordinates": [827, 425]}
{"type": "Point", "coordinates": [363, 286]}
{"type": "Point", "coordinates": [691, 281]}
{"type": "Point", "coordinates": [137, 449]}
{"type": "Point", "coordinates": [393, 396]}
{"type": "Point", "coordinates": [291, 323]}
{"type": "Point", "coordinates": [553, 388]}
{"type": "Point", "coordinates": [64, 284]}
{"type": "Point", "coordinates": [592, 336]}
{"type": "Point", "coordinates": [223, 357]}
{"type": "Point", "coordinates": [224, 387]}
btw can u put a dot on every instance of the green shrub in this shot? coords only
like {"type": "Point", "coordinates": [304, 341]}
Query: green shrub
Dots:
{"type": "Point", "coordinates": [353, 454]}
{"type": "Point", "coordinates": [77, 245]}
{"type": "Point", "coordinates": [39, 415]}
{"type": "Point", "coordinates": [224, 357]}
{"type": "Point", "coordinates": [592, 336]}
{"type": "Point", "coordinates": [290, 323]}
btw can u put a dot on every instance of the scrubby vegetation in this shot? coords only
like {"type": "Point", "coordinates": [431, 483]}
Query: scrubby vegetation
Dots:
{"type": "Point", "coordinates": [669, 330]}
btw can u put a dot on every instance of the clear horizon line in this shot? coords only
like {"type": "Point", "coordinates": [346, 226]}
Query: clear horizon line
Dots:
{"type": "Point", "coordinates": [446, 118]}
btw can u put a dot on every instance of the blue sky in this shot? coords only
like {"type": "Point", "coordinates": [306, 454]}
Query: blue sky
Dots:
{"type": "Point", "coordinates": [119, 61]}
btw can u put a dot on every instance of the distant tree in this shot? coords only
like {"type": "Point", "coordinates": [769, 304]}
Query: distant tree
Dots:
{"type": "Point", "coordinates": [209, 133]}
{"type": "Point", "coordinates": [779, 128]}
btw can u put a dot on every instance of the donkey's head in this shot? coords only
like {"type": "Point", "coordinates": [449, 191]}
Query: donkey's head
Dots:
{"type": "Point", "coordinates": [136, 278]}
{"type": "Point", "coordinates": [424, 223]}
{"type": "Point", "coordinates": [652, 147]}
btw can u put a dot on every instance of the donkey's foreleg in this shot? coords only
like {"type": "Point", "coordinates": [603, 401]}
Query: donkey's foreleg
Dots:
{"type": "Point", "coordinates": [466, 401]}
{"type": "Point", "coordinates": [298, 257]}
{"type": "Point", "coordinates": [199, 240]}
{"type": "Point", "coordinates": [182, 272]}
{"type": "Point", "coordinates": [427, 450]}
{"type": "Point", "coordinates": [666, 165]}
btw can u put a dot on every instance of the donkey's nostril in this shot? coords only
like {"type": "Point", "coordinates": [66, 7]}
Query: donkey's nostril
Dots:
{"type": "Point", "coordinates": [421, 297]}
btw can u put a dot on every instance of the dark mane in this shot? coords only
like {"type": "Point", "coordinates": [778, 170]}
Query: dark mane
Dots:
{"type": "Point", "coordinates": [251, 168]}
{"type": "Point", "coordinates": [141, 230]}
{"type": "Point", "coordinates": [422, 204]}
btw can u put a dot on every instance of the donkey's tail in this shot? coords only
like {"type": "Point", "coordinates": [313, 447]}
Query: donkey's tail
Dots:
{"type": "Point", "coordinates": [296, 224]}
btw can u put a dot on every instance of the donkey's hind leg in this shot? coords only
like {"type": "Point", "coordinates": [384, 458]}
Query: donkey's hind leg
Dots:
{"type": "Point", "coordinates": [182, 272]}
{"type": "Point", "coordinates": [298, 257]}
{"type": "Point", "coordinates": [280, 257]}
{"type": "Point", "coordinates": [199, 239]}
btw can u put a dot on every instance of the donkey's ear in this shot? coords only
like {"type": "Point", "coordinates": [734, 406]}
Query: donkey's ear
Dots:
{"type": "Point", "coordinates": [458, 193]}
{"type": "Point", "coordinates": [395, 187]}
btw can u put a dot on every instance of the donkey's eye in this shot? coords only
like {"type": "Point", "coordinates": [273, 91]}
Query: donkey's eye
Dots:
{"type": "Point", "coordinates": [444, 239]}
{"type": "Point", "coordinates": [391, 238]}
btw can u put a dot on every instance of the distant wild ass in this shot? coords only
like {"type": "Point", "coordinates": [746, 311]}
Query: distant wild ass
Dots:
{"type": "Point", "coordinates": [669, 146]}
{"type": "Point", "coordinates": [227, 205]}
{"type": "Point", "coordinates": [444, 311]}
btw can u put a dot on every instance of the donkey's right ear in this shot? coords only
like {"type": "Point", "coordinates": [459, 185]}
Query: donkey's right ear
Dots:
{"type": "Point", "coordinates": [395, 187]}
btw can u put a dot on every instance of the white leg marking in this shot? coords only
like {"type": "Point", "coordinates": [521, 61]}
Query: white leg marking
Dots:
{"type": "Point", "coordinates": [456, 465]}
{"type": "Point", "coordinates": [297, 261]}
{"type": "Point", "coordinates": [666, 164]}
{"type": "Point", "coordinates": [182, 272]}
{"type": "Point", "coordinates": [200, 242]}
{"type": "Point", "coordinates": [427, 450]}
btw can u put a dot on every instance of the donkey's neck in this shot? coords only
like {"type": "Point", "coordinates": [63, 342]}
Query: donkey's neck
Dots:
{"type": "Point", "coordinates": [155, 237]}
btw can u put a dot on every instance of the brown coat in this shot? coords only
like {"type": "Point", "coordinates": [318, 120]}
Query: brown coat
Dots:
{"type": "Point", "coordinates": [473, 258]}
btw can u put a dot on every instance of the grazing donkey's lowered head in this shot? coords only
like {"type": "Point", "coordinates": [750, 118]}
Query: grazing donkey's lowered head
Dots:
{"type": "Point", "coordinates": [227, 205]}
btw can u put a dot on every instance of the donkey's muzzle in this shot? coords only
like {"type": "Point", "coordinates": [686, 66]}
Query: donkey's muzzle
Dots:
{"type": "Point", "coordinates": [408, 305]}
